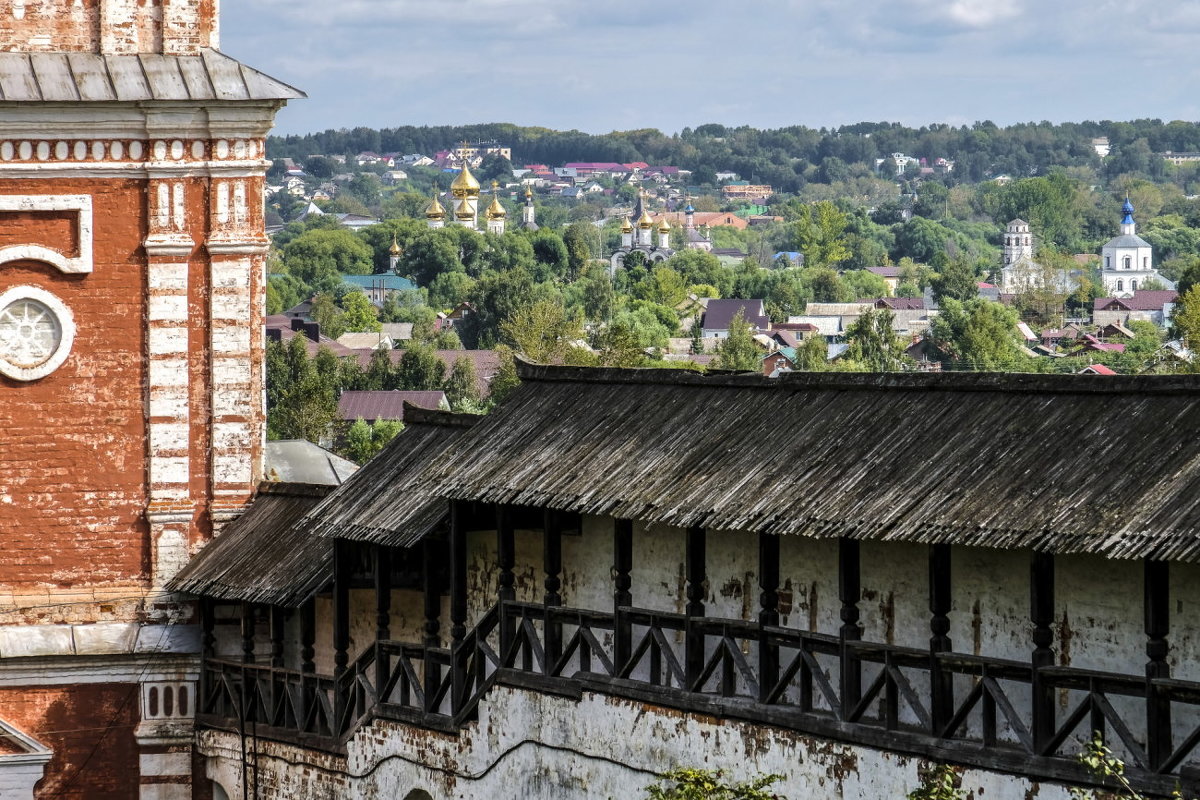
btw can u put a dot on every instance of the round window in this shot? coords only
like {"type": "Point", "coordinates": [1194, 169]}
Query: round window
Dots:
{"type": "Point", "coordinates": [36, 331]}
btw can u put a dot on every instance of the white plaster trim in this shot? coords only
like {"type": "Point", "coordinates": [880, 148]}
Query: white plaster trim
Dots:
{"type": "Point", "coordinates": [35, 751]}
{"type": "Point", "coordinates": [66, 322]}
{"type": "Point", "coordinates": [67, 670]}
{"type": "Point", "coordinates": [80, 203]}
{"type": "Point", "coordinates": [236, 248]}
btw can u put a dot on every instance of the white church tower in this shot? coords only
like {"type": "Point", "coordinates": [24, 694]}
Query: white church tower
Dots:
{"type": "Point", "coordinates": [1126, 261]}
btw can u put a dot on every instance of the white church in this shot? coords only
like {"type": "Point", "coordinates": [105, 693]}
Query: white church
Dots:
{"type": "Point", "coordinates": [1127, 260]}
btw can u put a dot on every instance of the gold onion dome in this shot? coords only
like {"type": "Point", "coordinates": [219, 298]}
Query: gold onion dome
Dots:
{"type": "Point", "coordinates": [664, 226]}
{"type": "Point", "coordinates": [435, 210]}
{"type": "Point", "coordinates": [465, 184]}
{"type": "Point", "coordinates": [645, 222]}
{"type": "Point", "coordinates": [395, 248]}
{"type": "Point", "coordinates": [463, 210]}
{"type": "Point", "coordinates": [627, 226]}
{"type": "Point", "coordinates": [495, 210]}
{"type": "Point", "coordinates": [528, 192]}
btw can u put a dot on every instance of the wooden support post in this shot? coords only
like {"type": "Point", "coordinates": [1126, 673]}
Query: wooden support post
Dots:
{"type": "Point", "coordinates": [1041, 614]}
{"type": "Point", "coordinates": [1157, 591]}
{"type": "Point", "coordinates": [941, 683]}
{"type": "Point", "coordinates": [506, 559]}
{"type": "Point", "coordinates": [768, 615]}
{"type": "Point", "coordinates": [277, 629]}
{"type": "Point", "coordinates": [622, 596]}
{"type": "Point", "coordinates": [208, 620]}
{"type": "Point", "coordinates": [208, 645]}
{"type": "Point", "coordinates": [849, 592]}
{"type": "Point", "coordinates": [342, 571]}
{"type": "Point", "coordinates": [552, 551]}
{"type": "Point", "coordinates": [458, 602]}
{"type": "Point", "coordinates": [432, 639]}
{"type": "Point", "coordinates": [308, 635]}
{"type": "Point", "coordinates": [695, 563]}
{"type": "Point", "coordinates": [383, 616]}
{"type": "Point", "coordinates": [247, 633]}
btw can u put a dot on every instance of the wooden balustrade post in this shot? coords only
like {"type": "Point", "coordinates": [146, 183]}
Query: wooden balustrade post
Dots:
{"type": "Point", "coordinates": [1157, 593]}
{"type": "Point", "coordinates": [343, 553]}
{"type": "Point", "coordinates": [695, 564]}
{"type": "Point", "coordinates": [506, 559]}
{"type": "Point", "coordinates": [622, 596]}
{"type": "Point", "coordinates": [552, 552]}
{"type": "Point", "coordinates": [1041, 614]}
{"type": "Point", "coordinates": [941, 683]}
{"type": "Point", "coordinates": [308, 635]}
{"type": "Point", "coordinates": [458, 602]}
{"type": "Point", "coordinates": [276, 622]}
{"type": "Point", "coordinates": [849, 592]}
{"type": "Point", "coordinates": [248, 633]}
{"type": "Point", "coordinates": [208, 645]}
{"type": "Point", "coordinates": [768, 615]}
{"type": "Point", "coordinates": [383, 616]}
{"type": "Point", "coordinates": [431, 558]}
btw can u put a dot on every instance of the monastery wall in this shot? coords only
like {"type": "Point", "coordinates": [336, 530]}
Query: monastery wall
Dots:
{"type": "Point", "coordinates": [541, 747]}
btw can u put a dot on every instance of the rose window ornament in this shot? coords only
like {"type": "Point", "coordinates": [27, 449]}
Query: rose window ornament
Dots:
{"type": "Point", "coordinates": [36, 331]}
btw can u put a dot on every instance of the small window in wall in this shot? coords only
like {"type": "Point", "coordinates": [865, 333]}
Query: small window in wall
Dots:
{"type": "Point", "coordinates": [1120, 286]}
{"type": "Point", "coordinates": [1128, 262]}
{"type": "Point", "coordinates": [1133, 285]}
{"type": "Point", "coordinates": [1107, 265]}
{"type": "Point", "coordinates": [1145, 262]}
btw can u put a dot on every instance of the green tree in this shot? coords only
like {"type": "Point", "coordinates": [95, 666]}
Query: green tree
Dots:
{"type": "Point", "coordinates": [956, 281]}
{"type": "Point", "coordinates": [359, 314]}
{"type": "Point", "coordinates": [420, 369]}
{"type": "Point", "coordinates": [820, 235]}
{"type": "Point", "coordinates": [738, 350]}
{"type": "Point", "coordinates": [325, 312]}
{"type": "Point", "coordinates": [699, 784]}
{"type": "Point", "coordinates": [977, 335]}
{"type": "Point", "coordinates": [364, 441]}
{"type": "Point", "coordinates": [505, 380]}
{"type": "Point", "coordinates": [812, 355]}
{"type": "Point", "coordinates": [301, 403]}
{"type": "Point", "coordinates": [460, 387]}
{"type": "Point", "coordinates": [874, 343]}
{"type": "Point", "coordinates": [542, 331]}
{"type": "Point", "coordinates": [1186, 319]}
{"type": "Point", "coordinates": [320, 257]}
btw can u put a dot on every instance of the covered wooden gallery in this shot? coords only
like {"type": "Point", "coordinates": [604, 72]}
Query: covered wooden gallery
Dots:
{"type": "Point", "coordinates": [982, 569]}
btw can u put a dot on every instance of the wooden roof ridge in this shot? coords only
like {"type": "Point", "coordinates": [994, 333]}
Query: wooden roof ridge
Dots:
{"type": "Point", "coordinates": [419, 415]}
{"type": "Point", "coordinates": [294, 489]}
{"type": "Point", "coordinates": [1013, 382]}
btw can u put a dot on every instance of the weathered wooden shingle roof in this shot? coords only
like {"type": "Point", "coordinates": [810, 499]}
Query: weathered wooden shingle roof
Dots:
{"type": "Point", "coordinates": [388, 500]}
{"type": "Point", "coordinates": [92, 77]}
{"type": "Point", "coordinates": [260, 557]}
{"type": "Point", "coordinates": [1053, 462]}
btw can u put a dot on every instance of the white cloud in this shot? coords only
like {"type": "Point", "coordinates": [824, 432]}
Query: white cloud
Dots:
{"type": "Point", "coordinates": [982, 13]}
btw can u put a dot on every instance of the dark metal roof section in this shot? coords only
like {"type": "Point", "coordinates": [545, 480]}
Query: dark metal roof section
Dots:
{"type": "Point", "coordinates": [389, 501]}
{"type": "Point", "coordinates": [260, 558]}
{"type": "Point", "coordinates": [96, 78]}
{"type": "Point", "coordinates": [1060, 463]}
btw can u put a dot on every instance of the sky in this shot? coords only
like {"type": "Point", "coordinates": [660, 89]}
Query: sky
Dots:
{"type": "Point", "coordinates": [604, 65]}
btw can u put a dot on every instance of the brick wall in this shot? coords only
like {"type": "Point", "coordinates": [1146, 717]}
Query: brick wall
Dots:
{"type": "Point", "coordinates": [90, 728]}
{"type": "Point", "coordinates": [178, 27]}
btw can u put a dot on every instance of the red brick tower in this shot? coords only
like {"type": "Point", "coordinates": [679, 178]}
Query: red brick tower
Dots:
{"type": "Point", "coordinates": [131, 302]}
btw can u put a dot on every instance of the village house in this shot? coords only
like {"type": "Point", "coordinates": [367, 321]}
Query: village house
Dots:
{"type": "Point", "coordinates": [1148, 305]}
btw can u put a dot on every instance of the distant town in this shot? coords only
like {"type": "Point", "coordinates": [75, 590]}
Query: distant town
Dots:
{"type": "Point", "coordinates": [1032, 248]}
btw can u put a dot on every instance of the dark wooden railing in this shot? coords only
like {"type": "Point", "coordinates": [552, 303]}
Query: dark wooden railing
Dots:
{"type": "Point", "coordinates": [950, 706]}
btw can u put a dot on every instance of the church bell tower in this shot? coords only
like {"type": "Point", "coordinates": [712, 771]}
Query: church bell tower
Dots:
{"type": "Point", "coordinates": [132, 255]}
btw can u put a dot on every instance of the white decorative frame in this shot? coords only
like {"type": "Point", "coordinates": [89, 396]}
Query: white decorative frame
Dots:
{"type": "Point", "coordinates": [81, 203]}
{"type": "Point", "coordinates": [66, 321]}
